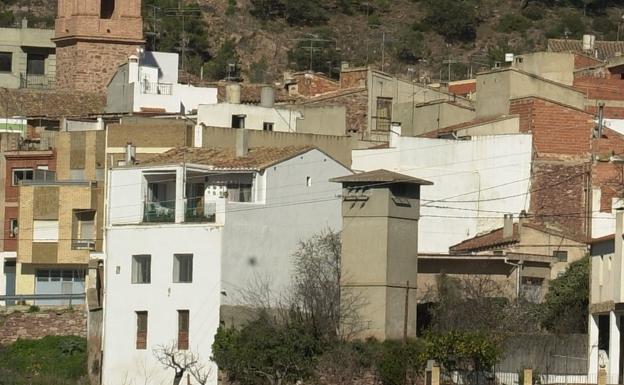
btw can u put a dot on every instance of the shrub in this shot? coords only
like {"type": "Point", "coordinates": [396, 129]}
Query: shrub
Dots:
{"type": "Point", "coordinates": [456, 20]}
{"type": "Point", "coordinates": [33, 309]}
{"type": "Point", "coordinates": [571, 22]}
{"type": "Point", "coordinates": [534, 11]}
{"type": "Point", "coordinates": [513, 23]}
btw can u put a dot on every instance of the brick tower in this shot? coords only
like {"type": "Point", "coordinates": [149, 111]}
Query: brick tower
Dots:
{"type": "Point", "coordinates": [93, 37]}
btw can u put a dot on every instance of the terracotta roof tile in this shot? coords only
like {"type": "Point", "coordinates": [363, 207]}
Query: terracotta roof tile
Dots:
{"type": "Point", "coordinates": [463, 88]}
{"type": "Point", "coordinates": [486, 241]}
{"type": "Point", "coordinates": [50, 103]}
{"type": "Point", "coordinates": [605, 49]}
{"type": "Point", "coordinates": [225, 158]}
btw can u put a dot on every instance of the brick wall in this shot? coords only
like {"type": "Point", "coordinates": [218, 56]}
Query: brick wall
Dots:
{"type": "Point", "coordinates": [601, 88]}
{"type": "Point", "coordinates": [558, 194]}
{"type": "Point", "coordinates": [606, 175]}
{"type": "Point", "coordinates": [608, 112]}
{"type": "Point", "coordinates": [89, 66]}
{"type": "Point", "coordinates": [556, 128]}
{"type": "Point", "coordinates": [59, 322]}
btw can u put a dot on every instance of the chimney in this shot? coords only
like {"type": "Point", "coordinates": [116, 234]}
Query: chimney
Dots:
{"type": "Point", "coordinates": [241, 143]}
{"type": "Point", "coordinates": [395, 134]}
{"type": "Point", "coordinates": [508, 226]}
{"type": "Point", "coordinates": [233, 93]}
{"type": "Point", "coordinates": [24, 23]}
{"type": "Point", "coordinates": [267, 96]}
{"type": "Point", "coordinates": [133, 69]}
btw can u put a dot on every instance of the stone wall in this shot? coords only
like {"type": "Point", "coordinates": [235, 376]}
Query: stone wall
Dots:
{"type": "Point", "coordinates": [89, 66]}
{"type": "Point", "coordinates": [18, 323]}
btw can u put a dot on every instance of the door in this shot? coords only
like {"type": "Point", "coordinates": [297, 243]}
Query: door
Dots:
{"type": "Point", "coordinates": [9, 275]}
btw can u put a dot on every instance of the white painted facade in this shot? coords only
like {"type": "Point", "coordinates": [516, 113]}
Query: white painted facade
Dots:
{"type": "Point", "coordinates": [475, 182]}
{"type": "Point", "coordinates": [220, 115]}
{"type": "Point", "coordinates": [288, 202]}
{"type": "Point", "coordinates": [150, 82]}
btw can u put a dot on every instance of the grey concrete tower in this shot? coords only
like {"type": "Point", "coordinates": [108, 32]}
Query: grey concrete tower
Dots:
{"type": "Point", "coordinates": [380, 212]}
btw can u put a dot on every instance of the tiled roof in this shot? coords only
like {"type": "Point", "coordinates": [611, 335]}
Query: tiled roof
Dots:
{"type": "Point", "coordinates": [486, 241]}
{"type": "Point", "coordinates": [380, 176]}
{"type": "Point", "coordinates": [605, 49]}
{"type": "Point", "coordinates": [50, 103]}
{"type": "Point", "coordinates": [225, 158]}
{"type": "Point", "coordinates": [463, 88]}
{"type": "Point", "coordinates": [495, 238]}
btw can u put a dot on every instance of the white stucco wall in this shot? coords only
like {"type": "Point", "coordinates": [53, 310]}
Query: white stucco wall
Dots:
{"type": "Point", "coordinates": [184, 98]}
{"type": "Point", "coordinates": [122, 362]}
{"type": "Point", "coordinates": [475, 182]}
{"type": "Point", "coordinates": [220, 115]}
{"type": "Point", "coordinates": [259, 240]}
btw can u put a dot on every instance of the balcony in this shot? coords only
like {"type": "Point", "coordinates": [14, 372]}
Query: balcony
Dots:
{"type": "Point", "coordinates": [154, 88]}
{"type": "Point", "coordinates": [159, 212]}
{"type": "Point", "coordinates": [197, 211]}
{"type": "Point", "coordinates": [42, 82]}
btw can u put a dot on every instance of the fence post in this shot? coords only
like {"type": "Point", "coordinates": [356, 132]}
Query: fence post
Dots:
{"type": "Point", "coordinates": [528, 377]}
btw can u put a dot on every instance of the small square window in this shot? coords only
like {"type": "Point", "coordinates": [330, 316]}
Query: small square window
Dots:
{"type": "Point", "coordinates": [183, 268]}
{"type": "Point", "coordinates": [561, 255]}
{"type": "Point", "coordinates": [267, 126]}
{"type": "Point", "coordinates": [308, 181]}
{"type": "Point", "coordinates": [141, 268]}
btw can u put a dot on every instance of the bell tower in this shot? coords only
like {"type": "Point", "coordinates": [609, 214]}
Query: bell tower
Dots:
{"type": "Point", "coordinates": [93, 37]}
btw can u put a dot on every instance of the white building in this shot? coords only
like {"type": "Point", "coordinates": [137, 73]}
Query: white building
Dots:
{"type": "Point", "coordinates": [149, 83]}
{"type": "Point", "coordinates": [475, 182]}
{"type": "Point", "coordinates": [187, 230]}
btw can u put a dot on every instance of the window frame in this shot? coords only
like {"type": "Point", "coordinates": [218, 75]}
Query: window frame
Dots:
{"type": "Point", "coordinates": [268, 126]}
{"type": "Point", "coordinates": [10, 56]}
{"type": "Point", "coordinates": [13, 228]}
{"type": "Point", "coordinates": [136, 263]}
{"type": "Point", "coordinates": [561, 255]}
{"type": "Point", "coordinates": [24, 169]}
{"type": "Point", "coordinates": [177, 264]}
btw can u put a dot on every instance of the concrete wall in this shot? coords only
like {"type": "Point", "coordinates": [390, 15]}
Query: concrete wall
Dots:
{"type": "Point", "coordinates": [472, 179]}
{"type": "Point", "coordinates": [322, 120]}
{"type": "Point", "coordinates": [496, 88]}
{"type": "Point", "coordinates": [220, 115]}
{"type": "Point", "coordinates": [122, 362]}
{"type": "Point", "coordinates": [259, 240]}
{"type": "Point", "coordinates": [555, 66]}
{"type": "Point", "coordinates": [430, 116]}
{"type": "Point", "coordinates": [14, 40]}
{"type": "Point", "coordinates": [510, 125]}
{"type": "Point", "coordinates": [338, 147]}
{"type": "Point", "coordinates": [603, 272]}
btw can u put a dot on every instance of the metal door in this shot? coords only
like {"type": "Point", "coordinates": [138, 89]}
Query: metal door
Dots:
{"type": "Point", "coordinates": [9, 275]}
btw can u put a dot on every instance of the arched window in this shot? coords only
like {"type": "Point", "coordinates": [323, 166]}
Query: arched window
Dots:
{"type": "Point", "coordinates": [107, 7]}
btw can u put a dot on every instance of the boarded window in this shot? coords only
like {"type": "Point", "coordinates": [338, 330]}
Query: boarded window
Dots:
{"type": "Point", "coordinates": [561, 255]}
{"type": "Point", "coordinates": [183, 329]}
{"type": "Point", "coordinates": [107, 8]}
{"type": "Point", "coordinates": [183, 268]}
{"type": "Point", "coordinates": [45, 231]}
{"type": "Point", "coordinates": [6, 61]}
{"type": "Point", "coordinates": [141, 334]}
{"type": "Point", "coordinates": [141, 268]}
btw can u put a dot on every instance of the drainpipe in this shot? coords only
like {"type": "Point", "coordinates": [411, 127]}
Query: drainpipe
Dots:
{"type": "Point", "coordinates": [518, 269]}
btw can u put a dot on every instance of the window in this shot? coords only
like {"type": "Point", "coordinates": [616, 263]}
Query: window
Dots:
{"type": "Point", "coordinates": [21, 174]}
{"type": "Point", "coordinates": [13, 228]}
{"type": "Point", "coordinates": [238, 121]}
{"type": "Point", "coordinates": [183, 329]}
{"type": "Point", "coordinates": [561, 255]}
{"type": "Point", "coordinates": [141, 333]}
{"type": "Point", "coordinates": [107, 8]}
{"type": "Point", "coordinates": [384, 113]}
{"type": "Point", "coordinates": [141, 268]}
{"type": "Point", "coordinates": [183, 268]}
{"type": "Point", "coordinates": [6, 61]}
{"type": "Point", "coordinates": [35, 64]}
{"type": "Point", "coordinates": [83, 230]}
{"type": "Point", "coordinates": [266, 126]}
{"type": "Point", "coordinates": [239, 192]}
{"type": "Point", "coordinates": [45, 231]}
{"type": "Point", "coordinates": [308, 181]}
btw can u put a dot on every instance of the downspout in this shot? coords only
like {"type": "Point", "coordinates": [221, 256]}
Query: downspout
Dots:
{"type": "Point", "coordinates": [518, 269]}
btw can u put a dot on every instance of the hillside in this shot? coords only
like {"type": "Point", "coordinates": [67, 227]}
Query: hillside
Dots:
{"type": "Point", "coordinates": [267, 37]}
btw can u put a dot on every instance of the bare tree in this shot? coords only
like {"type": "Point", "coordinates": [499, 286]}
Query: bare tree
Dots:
{"type": "Point", "coordinates": [182, 361]}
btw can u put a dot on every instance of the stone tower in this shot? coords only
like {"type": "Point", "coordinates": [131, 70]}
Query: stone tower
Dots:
{"type": "Point", "coordinates": [93, 37]}
{"type": "Point", "coordinates": [379, 265]}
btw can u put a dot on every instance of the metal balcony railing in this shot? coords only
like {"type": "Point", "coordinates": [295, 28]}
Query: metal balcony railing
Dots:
{"type": "Point", "coordinates": [159, 212]}
{"type": "Point", "coordinates": [154, 88]}
{"type": "Point", "coordinates": [11, 300]}
{"type": "Point", "coordinates": [37, 81]}
{"type": "Point", "coordinates": [83, 244]}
